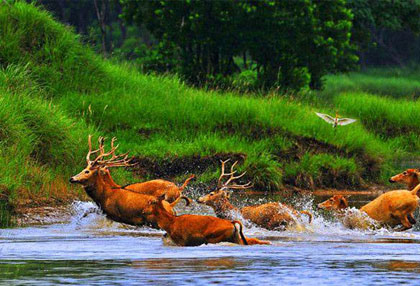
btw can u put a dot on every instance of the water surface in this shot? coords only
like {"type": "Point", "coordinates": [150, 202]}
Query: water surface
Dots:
{"type": "Point", "coordinates": [90, 250]}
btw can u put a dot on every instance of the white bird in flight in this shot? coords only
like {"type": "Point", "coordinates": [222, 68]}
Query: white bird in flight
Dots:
{"type": "Point", "coordinates": [335, 121]}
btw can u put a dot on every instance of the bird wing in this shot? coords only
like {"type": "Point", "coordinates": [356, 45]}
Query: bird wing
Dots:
{"type": "Point", "coordinates": [345, 121]}
{"type": "Point", "coordinates": [326, 117]}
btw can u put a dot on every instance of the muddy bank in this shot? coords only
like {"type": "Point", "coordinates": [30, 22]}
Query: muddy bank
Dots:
{"type": "Point", "coordinates": [41, 215]}
{"type": "Point", "coordinates": [41, 211]}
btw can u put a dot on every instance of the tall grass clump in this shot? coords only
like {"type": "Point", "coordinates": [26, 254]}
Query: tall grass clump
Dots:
{"type": "Point", "coordinates": [52, 52]}
{"type": "Point", "coordinates": [396, 83]}
{"type": "Point", "coordinates": [323, 170]}
{"type": "Point", "coordinates": [40, 145]}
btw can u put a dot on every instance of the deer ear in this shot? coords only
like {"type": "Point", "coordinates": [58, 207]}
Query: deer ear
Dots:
{"type": "Point", "coordinates": [162, 197]}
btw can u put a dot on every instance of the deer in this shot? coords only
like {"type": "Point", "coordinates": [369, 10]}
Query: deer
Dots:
{"type": "Point", "coordinates": [392, 208]}
{"type": "Point", "coordinates": [409, 177]}
{"type": "Point", "coordinates": [195, 230]}
{"type": "Point", "coordinates": [159, 187]}
{"type": "Point", "coordinates": [272, 216]}
{"type": "Point", "coordinates": [118, 204]}
{"type": "Point", "coordinates": [350, 218]}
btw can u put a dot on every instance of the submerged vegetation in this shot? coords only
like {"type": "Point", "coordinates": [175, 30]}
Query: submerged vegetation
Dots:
{"type": "Point", "coordinates": [54, 91]}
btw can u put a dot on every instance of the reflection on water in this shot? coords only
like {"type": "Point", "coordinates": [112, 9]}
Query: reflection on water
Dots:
{"type": "Point", "coordinates": [399, 265]}
{"type": "Point", "coordinates": [191, 265]}
{"type": "Point", "coordinates": [92, 251]}
{"type": "Point", "coordinates": [5, 216]}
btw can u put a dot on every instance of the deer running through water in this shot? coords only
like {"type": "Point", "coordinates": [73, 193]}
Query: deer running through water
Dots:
{"type": "Point", "coordinates": [194, 230]}
{"type": "Point", "coordinates": [272, 216]}
{"type": "Point", "coordinates": [119, 204]}
{"type": "Point", "coordinates": [393, 208]}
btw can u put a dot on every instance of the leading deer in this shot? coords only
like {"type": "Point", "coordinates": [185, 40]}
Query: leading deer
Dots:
{"type": "Point", "coordinates": [117, 203]}
{"type": "Point", "coordinates": [272, 216]}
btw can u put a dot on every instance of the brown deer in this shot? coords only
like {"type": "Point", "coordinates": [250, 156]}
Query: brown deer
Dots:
{"type": "Point", "coordinates": [194, 230]}
{"type": "Point", "coordinates": [158, 188]}
{"type": "Point", "coordinates": [409, 177]}
{"type": "Point", "coordinates": [392, 208]}
{"type": "Point", "coordinates": [353, 219]}
{"type": "Point", "coordinates": [272, 216]}
{"type": "Point", "coordinates": [335, 203]}
{"type": "Point", "coordinates": [117, 203]}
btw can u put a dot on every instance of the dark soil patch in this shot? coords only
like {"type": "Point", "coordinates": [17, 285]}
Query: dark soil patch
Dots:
{"type": "Point", "coordinates": [175, 166]}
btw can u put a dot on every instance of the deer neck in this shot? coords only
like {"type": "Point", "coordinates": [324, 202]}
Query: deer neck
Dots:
{"type": "Point", "coordinates": [164, 218]}
{"type": "Point", "coordinates": [107, 179]}
{"type": "Point", "coordinates": [413, 183]}
{"type": "Point", "coordinates": [100, 190]}
{"type": "Point", "coordinates": [224, 208]}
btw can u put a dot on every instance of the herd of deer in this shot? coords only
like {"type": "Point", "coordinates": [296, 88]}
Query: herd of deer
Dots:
{"type": "Point", "coordinates": [152, 203]}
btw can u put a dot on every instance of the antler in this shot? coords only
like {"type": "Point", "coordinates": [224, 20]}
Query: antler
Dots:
{"type": "Point", "coordinates": [90, 150]}
{"type": "Point", "coordinates": [121, 160]}
{"type": "Point", "coordinates": [222, 186]}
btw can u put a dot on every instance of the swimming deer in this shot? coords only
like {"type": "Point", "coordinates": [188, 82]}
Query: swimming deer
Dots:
{"type": "Point", "coordinates": [392, 208]}
{"type": "Point", "coordinates": [158, 188]}
{"type": "Point", "coordinates": [117, 203]}
{"type": "Point", "coordinates": [272, 216]}
{"type": "Point", "coordinates": [409, 177]}
{"type": "Point", "coordinates": [194, 230]}
{"type": "Point", "coordinates": [350, 218]}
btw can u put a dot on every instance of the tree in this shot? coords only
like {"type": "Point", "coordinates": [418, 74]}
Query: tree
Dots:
{"type": "Point", "coordinates": [298, 42]}
{"type": "Point", "coordinates": [293, 42]}
{"type": "Point", "coordinates": [203, 32]}
{"type": "Point", "coordinates": [379, 22]}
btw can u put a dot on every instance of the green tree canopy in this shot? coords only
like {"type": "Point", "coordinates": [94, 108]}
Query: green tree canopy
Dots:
{"type": "Point", "coordinates": [294, 43]}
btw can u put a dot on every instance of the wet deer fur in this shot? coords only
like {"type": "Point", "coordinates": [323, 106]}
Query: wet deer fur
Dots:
{"type": "Point", "coordinates": [194, 230]}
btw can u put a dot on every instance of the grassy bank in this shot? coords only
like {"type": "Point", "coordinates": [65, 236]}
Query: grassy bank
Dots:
{"type": "Point", "coordinates": [54, 92]}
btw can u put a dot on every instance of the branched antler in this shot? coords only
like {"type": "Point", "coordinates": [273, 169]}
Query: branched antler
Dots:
{"type": "Point", "coordinates": [90, 150]}
{"type": "Point", "coordinates": [223, 186]}
{"type": "Point", "coordinates": [121, 160]}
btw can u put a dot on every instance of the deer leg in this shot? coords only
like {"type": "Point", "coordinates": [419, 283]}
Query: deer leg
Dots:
{"type": "Point", "coordinates": [411, 219]}
{"type": "Point", "coordinates": [405, 224]}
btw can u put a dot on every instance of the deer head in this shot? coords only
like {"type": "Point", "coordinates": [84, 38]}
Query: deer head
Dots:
{"type": "Point", "coordinates": [101, 163]}
{"type": "Point", "coordinates": [336, 202]}
{"type": "Point", "coordinates": [410, 177]}
{"type": "Point", "coordinates": [221, 195]}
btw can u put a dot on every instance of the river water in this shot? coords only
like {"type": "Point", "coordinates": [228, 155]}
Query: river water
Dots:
{"type": "Point", "coordinates": [90, 250]}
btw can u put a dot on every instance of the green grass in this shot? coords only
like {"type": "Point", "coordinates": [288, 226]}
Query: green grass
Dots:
{"type": "Point", "coordinates": [391, 82]}
{"type": "Point", "coordinates": [54, 92]}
